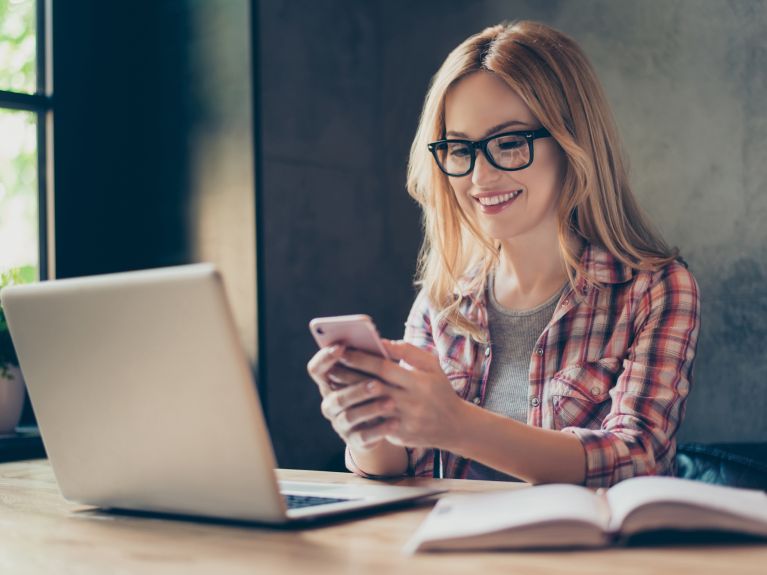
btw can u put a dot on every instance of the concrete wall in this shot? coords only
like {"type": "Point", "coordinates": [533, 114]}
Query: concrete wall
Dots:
{"type": "Point", "coordinates": [342, 87]}
{"type": "Point", "coordinates": [687, 80]}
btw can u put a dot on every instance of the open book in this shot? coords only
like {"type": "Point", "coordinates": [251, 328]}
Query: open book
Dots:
{"type": "Point", "coordinates": [560, 515]}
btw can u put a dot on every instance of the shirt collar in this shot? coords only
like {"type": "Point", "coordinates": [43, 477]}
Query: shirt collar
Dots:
{"type": "Point", "coordinates": [603, 267]}
{"type": "Point", "coordinates": [599, 264]}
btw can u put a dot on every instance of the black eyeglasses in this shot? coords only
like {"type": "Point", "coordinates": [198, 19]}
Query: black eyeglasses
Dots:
{"type": "Point", "coordinates": [509, 151]}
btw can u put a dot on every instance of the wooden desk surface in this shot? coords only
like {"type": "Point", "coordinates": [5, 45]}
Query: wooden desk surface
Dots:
{"type": "Point", "coordinates": [42, 533]}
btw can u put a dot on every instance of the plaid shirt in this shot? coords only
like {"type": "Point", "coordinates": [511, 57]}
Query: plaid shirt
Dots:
{"type": "Point", "coordinates": [613, 367]}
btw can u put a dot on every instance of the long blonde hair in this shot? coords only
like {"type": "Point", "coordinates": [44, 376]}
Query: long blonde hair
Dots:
{"type": "Point", "coordinates": [552, 75]}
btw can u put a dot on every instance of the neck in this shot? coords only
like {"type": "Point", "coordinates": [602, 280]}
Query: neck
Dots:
{"type": "Point", "coordinates": [531, 269]}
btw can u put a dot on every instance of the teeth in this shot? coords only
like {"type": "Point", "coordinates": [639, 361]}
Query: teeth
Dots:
{"type": "Point", "coordinates": [495, 200]}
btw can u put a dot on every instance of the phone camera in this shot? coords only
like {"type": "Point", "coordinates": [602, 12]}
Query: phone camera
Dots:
{"type": "Point", "coordinates": [320, 331]}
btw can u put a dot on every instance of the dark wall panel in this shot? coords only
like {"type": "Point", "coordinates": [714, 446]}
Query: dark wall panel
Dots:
{"type": "Point", "coordinates": [153, 137]}
{"type": "Point", "coordinates": [339, 234]}
{"type": "Point", "coordinates": [121, 125]}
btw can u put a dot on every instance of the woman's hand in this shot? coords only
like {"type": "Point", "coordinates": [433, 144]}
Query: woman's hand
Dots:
{"type": "Point", "coordinates": [421, 406]}
{"type": "Point", "coordinates": [358, 406]}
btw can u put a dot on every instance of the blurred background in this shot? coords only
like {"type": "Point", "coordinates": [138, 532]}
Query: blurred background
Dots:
{"type": "Point", "coordinates": [272, 137]}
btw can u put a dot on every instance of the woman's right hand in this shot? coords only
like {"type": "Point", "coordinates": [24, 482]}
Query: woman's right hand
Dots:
{"type": "Point", "coordinates": [357, 405]}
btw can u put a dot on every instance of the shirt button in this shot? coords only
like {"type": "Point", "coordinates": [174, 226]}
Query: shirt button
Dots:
{"type": "Point", "coordinates": [487, 351]}
{"type": "Point", "coordinates": [535, 402]}
{"type": "Point", "coordinates": [567, 301]}
{"type": "Point", "coordinates": [595, 391]}
{"type": "Point", "coordinates": [539, 351]}
{"type": "Point", "coordinates": [476, 400]}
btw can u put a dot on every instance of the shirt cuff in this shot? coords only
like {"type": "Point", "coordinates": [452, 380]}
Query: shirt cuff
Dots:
{"type": "Point", "coordinates": [352, 466]}
{"type": "Point", "coordinates": [608, 457]}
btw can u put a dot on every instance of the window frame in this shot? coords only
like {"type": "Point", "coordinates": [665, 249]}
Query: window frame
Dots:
{"type": "Point", "coordinates": [41, 104]}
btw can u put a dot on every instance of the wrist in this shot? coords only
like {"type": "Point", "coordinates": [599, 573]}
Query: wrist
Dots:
{"type": "Point", "coordinates": [382, 460]}
{"type": "Point", "coordinates": [460, 428]}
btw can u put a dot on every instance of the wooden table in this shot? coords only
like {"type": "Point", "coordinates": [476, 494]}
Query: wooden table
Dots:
{"type": "Point", "coordinates": [40, 533]}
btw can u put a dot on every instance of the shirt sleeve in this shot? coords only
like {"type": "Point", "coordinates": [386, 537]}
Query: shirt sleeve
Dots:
{"type": "Point", "coordinates": [419, 333]}
{"type": "Point", "coordinates": [638, 435]}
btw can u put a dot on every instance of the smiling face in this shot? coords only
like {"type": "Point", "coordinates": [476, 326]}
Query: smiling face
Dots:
{"type": "Point", "coordinates": [508, 206]}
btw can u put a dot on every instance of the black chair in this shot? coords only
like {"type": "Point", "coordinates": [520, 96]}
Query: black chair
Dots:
{"type": "Point", "coordinates": [733, 464]}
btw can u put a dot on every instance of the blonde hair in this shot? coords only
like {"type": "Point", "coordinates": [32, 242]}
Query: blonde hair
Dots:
{"type": "Point", "coordinates": [552, 75]}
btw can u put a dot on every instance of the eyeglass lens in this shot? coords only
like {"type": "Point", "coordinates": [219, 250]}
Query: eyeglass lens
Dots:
{"type": "Point", "coordinates": [508, 152]}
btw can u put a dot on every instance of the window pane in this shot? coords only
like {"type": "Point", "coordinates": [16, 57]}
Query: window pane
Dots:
{"type": "Point", "coordinates": [18, 190]}
{"type": "Point", "coordinates": [17, 45]}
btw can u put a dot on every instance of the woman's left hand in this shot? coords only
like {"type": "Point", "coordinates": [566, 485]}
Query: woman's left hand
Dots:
{"type": "Point", "coordinates": [427, 409]}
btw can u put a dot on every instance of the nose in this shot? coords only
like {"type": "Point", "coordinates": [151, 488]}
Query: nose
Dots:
{"type": "Point", "coordinates": [484, 172]}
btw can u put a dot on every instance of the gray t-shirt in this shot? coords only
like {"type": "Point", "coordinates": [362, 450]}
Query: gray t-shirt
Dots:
{"type": "Point", "coordinates": [513, 334]}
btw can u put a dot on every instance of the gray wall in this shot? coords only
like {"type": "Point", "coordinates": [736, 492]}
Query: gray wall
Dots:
{"type": "Point", "coordinates": [342, 86]}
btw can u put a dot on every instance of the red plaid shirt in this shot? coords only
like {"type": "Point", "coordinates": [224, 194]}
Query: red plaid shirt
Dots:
{"type": "Point", "coordinates": [613, 367]}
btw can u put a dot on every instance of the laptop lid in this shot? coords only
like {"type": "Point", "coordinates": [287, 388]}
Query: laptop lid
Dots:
{"type": "Point", "coordinates": [143, 395]}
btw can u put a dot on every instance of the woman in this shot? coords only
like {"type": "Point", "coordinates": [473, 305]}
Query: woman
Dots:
{"type": "Point", "coordinates": [554, 335]}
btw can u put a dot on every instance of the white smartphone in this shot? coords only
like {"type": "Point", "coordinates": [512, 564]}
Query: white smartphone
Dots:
{"type": "Point", "coordinates": [357, 331]}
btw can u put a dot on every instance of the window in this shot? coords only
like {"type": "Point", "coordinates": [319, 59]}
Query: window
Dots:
{"type": "Point", "coordinates": [25, 121]}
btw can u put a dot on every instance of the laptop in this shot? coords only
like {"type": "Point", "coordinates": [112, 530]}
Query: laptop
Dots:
{"type": "Point", "coordinates": [145, 401]}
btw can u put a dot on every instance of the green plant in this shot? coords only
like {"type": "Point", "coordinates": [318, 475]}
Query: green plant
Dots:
{"type": "Point", "coordinates": [8, 356]}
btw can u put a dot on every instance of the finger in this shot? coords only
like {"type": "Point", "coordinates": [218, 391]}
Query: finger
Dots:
{"type": "Point", "coordinates": [325, 386]}
{"type": "Point", "coordinates": [393, 435]}
{"type": "Point", "coordinates": [362, 416]}
{"type": "Point", "coordinates": [324, 359]}
{"type": "Point", "coordinates": [370, 436]}
{"type": "Point", "coordinates": [344, 376]}
{"type": "Point", "coordinates": [321, 363]}
{"type": "Point", "coordinates": [337, 401]}
{"type": "Point", "coordinates": [412, 355]}
{"type": "Point", "coordinates": [376, 366]}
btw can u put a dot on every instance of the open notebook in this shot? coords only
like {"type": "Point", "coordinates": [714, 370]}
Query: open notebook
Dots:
{"type": "Point", "coordinates": [561, 515]}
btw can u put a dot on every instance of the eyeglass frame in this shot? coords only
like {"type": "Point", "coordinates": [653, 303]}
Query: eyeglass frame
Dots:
{"type": "Point", "coordinates": [474, 145]}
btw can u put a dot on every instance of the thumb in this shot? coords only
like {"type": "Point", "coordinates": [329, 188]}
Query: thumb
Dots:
{"type": "Point", "coordinates": [414, 356]}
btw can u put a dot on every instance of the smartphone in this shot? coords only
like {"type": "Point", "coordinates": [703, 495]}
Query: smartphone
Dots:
{"type": "Point", "coordinates": [357, 331]}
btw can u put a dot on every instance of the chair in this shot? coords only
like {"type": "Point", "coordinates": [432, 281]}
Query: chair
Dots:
{"type": "Point", "coordinates": [734, 464]}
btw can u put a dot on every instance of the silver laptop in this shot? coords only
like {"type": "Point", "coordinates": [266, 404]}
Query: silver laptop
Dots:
{"type": "Point", "coordinates": [145, 400]}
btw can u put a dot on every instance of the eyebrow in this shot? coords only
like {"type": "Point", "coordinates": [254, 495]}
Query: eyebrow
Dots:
{"type": "Point", "coordinates": [492, 130]}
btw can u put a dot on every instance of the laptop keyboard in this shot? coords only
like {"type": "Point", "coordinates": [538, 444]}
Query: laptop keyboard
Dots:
{"type": "Point", "coordinates": [298, 501]}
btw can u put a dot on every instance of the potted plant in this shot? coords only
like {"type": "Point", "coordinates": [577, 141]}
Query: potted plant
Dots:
{"type": "Point", "coordinates": [12, 388]}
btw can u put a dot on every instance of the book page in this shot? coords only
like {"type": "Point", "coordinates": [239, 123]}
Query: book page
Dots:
{"type": "Point", "coordinates": [461, 516]}
{"type": "Point", "coordinates": [674, 493]}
